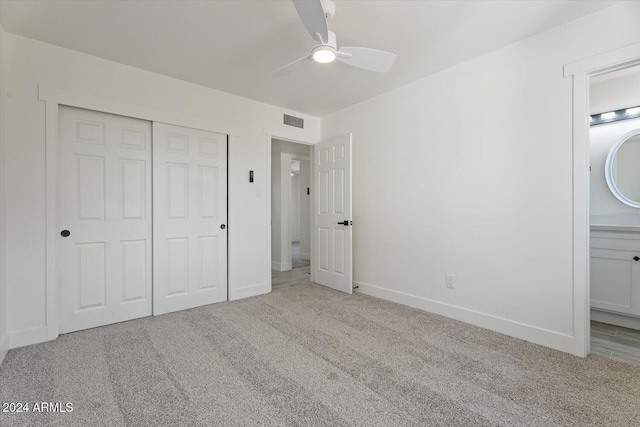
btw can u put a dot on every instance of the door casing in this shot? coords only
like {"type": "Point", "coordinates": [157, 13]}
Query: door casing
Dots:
{"type": "Point", "coordinates": [581, 73]}
{"type": "Point", "coordinates": [269, 137]}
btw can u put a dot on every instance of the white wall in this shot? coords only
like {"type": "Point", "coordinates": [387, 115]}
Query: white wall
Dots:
{"type": "Point", "coordinates": [31, 63]}
{"type": "Point", "coordinates": [294, 208]}
{"type": "Point", "coordinates": [610, 95]}
{"type": "Point", "coordinates": [297, 150]}
{"type": "Point", "coordinates": [616, 93]}
{"type": "Point", "coordinates": [305, 210]}
{"type": "Point", "coordinates": [4, 342]}
{"type": "Point", "coordinates": [276, 218]}
{"type": "Point", "coordinates": [469, 172]}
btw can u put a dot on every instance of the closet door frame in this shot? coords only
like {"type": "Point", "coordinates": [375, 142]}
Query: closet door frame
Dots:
{"type": "Point", "coordinates": [53, 98]}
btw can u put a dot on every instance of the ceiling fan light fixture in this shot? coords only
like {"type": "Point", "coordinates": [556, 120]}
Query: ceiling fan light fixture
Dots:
{"type": "Point", "coordinates": [324, 54]}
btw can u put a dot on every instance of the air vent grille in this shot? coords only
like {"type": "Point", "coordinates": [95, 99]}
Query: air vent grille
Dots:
{"type": "Point", "coordinates": [293, 121]}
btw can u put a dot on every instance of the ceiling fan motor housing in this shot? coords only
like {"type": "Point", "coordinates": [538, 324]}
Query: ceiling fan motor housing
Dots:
{"type": "Point", "coordinates": [325, 52]}
{"type": "Point", "coordinates": [332, 40]}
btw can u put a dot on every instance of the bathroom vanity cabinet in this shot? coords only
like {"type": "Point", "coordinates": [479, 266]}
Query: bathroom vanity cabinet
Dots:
{"type": "Point", "coordinates": [615, 269]}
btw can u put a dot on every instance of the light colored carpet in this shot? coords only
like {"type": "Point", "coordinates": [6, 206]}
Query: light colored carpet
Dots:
{"type": "Point", "coordinates": [309, 356]}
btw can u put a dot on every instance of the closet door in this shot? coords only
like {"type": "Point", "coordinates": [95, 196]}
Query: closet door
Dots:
{"type": "Point", "coordinates": [104, 218]}
{"type": "Point", "coordinates": [190, 217]}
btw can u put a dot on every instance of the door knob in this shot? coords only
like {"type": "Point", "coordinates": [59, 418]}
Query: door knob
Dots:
{"type": "Point", "coordinates": [65, 233]}
{"type": "Point", "coordinates": [344, 222]}
{"type": "Point", "coordinates": [222, 226]}
{"type": "Point", "coordinates": [635, 258]}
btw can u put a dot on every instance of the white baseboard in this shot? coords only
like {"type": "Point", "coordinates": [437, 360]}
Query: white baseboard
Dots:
{"type": "Point", "coordinates": [4, 347]}
{"type": "Point", "coordinates": [26, 337]}
{"type": "Point", "coordinates": [280, 266]}
{"type": "Point", "coordinates": [249, 291]}
{"type": "Point", "coordinates": [615, 319]}
{"type": "Point", "coordinates": [534, 334]}
{"type": "Point", "coordinates": [306, 257]}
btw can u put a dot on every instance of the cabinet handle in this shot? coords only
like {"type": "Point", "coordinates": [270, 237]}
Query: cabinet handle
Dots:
{"type": "Point", "coordinates": [635, 258]}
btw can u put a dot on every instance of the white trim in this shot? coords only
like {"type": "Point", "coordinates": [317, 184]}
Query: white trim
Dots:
{"type": "Point", "coordinates": [615, 319]}
{"type": "Point", "coordinates": [534, 334]}
{"type": "Point", "coordinates": [4, 347]}
{"type": "Point", "coordinates": [27, 336]}
{"type": "Point", "coordinates": [606, 62]}
{"type": "Point", "coordinates": [301, 158]}
{"type": "Point", "coordinates": [581, 71]}
{"type": "Point", "coordinates": [53, 97]}
{"type": "Point", "coordinates": [269, 136]}
{"type": "Point", "coordinates": [251, 291]}
{"type": "Point", "coordinates": [136, 111]}
{"type": "Point", "coordinates": [51, 220]}
{"type": "Point", "coordinates": [267, 192]}
{"type": "Point", "coordinates": [281, 266]}
{"type": "Point", "coordinates": [285, 209]}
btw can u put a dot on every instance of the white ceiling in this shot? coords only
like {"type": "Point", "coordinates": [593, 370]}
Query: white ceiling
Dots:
{"type": "Point", "coordinates": [234, 46]}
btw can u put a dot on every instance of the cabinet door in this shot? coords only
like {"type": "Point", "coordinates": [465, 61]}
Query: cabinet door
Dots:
{"type": "Point", "coordinates": [612, 274]}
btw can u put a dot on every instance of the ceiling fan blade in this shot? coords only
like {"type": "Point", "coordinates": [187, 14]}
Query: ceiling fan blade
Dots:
{"type": "Point", "coordinates": [369, 59]}
{"type": "Point", "coordinates": [291, 67]}
{"type": "Point", "coordinates": [312, 15]}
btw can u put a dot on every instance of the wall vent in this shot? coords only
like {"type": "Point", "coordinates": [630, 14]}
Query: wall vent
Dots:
{"type": "Point", "coordinates": [293, 121]}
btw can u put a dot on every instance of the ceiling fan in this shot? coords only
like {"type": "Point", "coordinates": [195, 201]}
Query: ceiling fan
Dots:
{"type": "Point", "coordinates": [314, 15]}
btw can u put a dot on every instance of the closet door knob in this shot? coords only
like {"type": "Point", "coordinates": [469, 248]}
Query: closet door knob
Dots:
{"type": "Point", "coordinates": [635, 258]}
{"type": "Point", "coordinates": [65, 233]}
{"type": "Point", "coordinates": [223, 226]}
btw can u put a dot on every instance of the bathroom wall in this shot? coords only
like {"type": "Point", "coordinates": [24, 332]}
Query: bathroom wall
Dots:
{"type": "Point", "coordinates": [611, 94]}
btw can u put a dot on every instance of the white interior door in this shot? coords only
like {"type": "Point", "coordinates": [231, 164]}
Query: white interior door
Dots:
{"type": "Point", "coordinates": [190, 217]}
{"type": "Point", "coordinates": [332, 213]}
{"type": "Point", "coordinates": [104, 210]}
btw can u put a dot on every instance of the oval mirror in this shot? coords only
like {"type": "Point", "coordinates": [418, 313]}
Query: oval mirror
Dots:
{"type": "Point", "coordinates": [622, 169]}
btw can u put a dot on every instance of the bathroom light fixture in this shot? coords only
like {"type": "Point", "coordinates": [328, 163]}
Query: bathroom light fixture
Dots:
{"type": "Point", "coordinates": [614, 116]}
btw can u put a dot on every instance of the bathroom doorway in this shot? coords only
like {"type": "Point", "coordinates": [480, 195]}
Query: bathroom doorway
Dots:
{"type": "Point", "coordinates": [614, 214]}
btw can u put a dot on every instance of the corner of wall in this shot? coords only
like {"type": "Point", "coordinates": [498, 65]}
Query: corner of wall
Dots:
{"type": "Point", "coordinates": [4, 341]}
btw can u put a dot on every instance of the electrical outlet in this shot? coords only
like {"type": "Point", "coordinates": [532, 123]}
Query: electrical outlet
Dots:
{"type": "Point", "coordinates": [450, 281]}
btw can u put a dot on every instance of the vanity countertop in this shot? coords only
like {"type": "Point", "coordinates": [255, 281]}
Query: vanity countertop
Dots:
{"type": "Point", "coordinates": [617, 222]}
